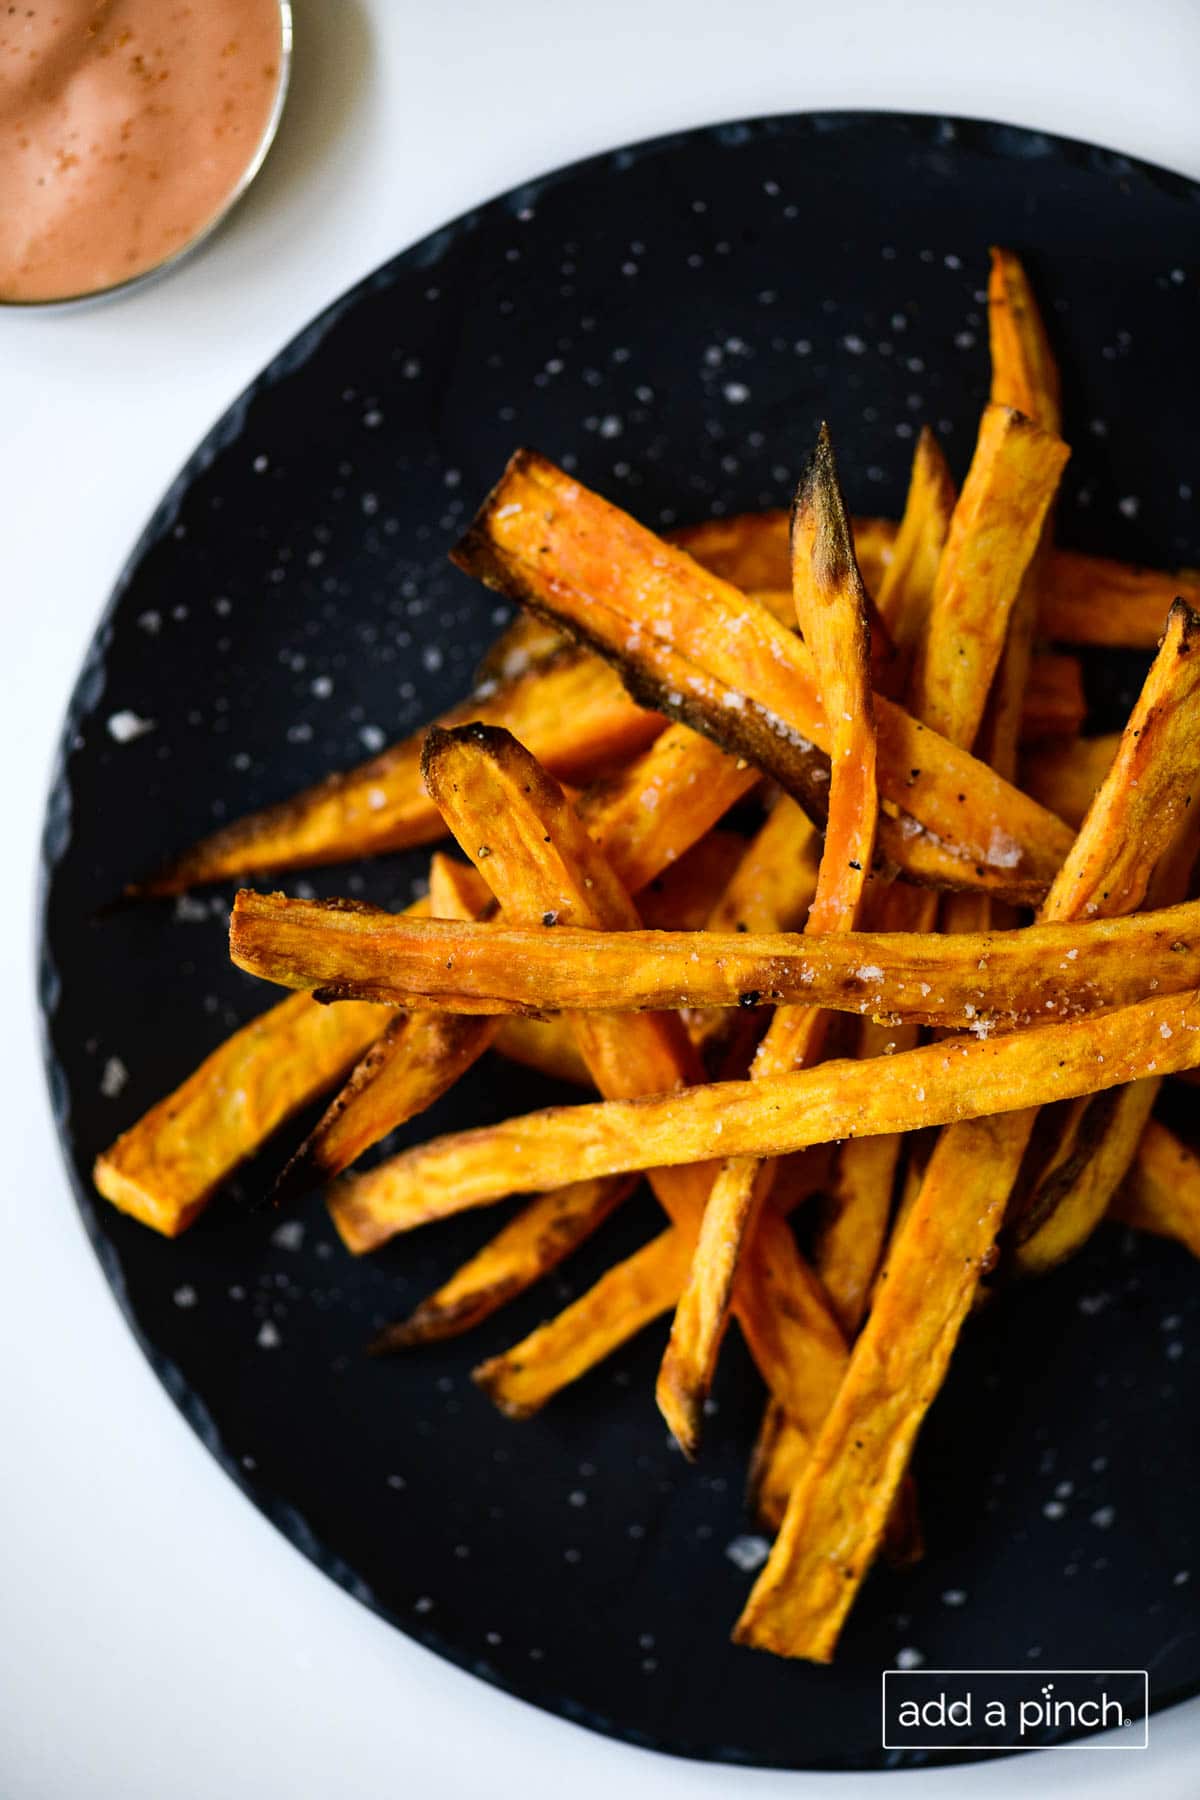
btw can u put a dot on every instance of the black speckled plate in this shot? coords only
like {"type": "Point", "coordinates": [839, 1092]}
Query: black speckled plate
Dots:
{"type": "Point", "coordinates": [671, 320]}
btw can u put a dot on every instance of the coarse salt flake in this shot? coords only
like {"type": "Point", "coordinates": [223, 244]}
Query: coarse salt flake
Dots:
{"type": "Point", "coordinates": [125, 726]}
{"type": "Point", "coordinates": [114, 1077]}
{"type": "Point", "coordinates": [748, 1552]}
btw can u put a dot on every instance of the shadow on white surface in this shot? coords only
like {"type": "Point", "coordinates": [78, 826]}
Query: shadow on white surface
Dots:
{"type": "Point", "coordinates": [334, 72]}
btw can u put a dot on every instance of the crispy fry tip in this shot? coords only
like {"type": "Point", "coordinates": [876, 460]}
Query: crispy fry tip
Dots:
{"type": "Point", "coordinates": [489, 1378]}
{"type": "Point", "coordinates": [474, 553]}
{"type": "Point", "coordinates": [432, 750]}
{"type": "Point", "coordinates": [430, 1322]}
{"type": "Point", "coordinates": [819, 507]}
{"type": "Point", "coordinates": [681, 1406]}
{"type": "Point", "coordinates": [1187, 620]}
{"type": "Point", "coordinates": [405, 1334]}
{"type": "Point", "coordinates": [298, 1178]}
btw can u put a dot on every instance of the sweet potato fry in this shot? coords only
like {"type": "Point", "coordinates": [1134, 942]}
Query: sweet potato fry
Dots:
{"type": "Point", "coordinates": [1064, 777]}
{"type": "Point", "coordinates": [919, 1152]}
{"type": "Point", "coordinates": [1024, 372]}
{"type": "Point", "coordinates": [974, 980]}
{"type": "Point", "coordinates": [748, 550]}
{"type": "Point", "coordinates": [1101, 1137]}
{"type": "Point", "coordinates": [800, 1178]}
{"type": "Point", "coordinates": [1053, 703]}
{"type": "Point", "coordinates": [1091, 600]}
{"type": "Point", "coordinates": [547, 1045]}
{"type": "Point", "coordinates": [651, 813]}
{"type": "Point", "coordinates": [771, 889]}
{"type": "Point", "coordinates": [959, 1079]}
{"type": "Point", "coordinates": [1155, 767]}
{"type": "Point", "coordinates": [1161, 1192]}
{"type": "Point", "coordinates": [1052, 1141]}
{"type": "Point", "coordinates": [413, 1063]}
{"type": "Point", "coordinates": [779, 1454]}
{"type": "Point", "coordinates": [1175, 872]}
{"type": "Point", "coordinates": [780, 1451]}
{"type": "Point", "coordinates": [905, 592]}
{"type": "Point", "coordinates": [994, 532]}
{"type": "Point", "coordinates": [544, 864]}
{"type": "Point", "coordinates": [563, 709]}
{"type": "Point", "coordinates": [541, 1236]}
{"type": "Point", "coordinates": [1025, 376]}
{"type": "Point", "coordinates": [836, 1513]}
{"type": "Point", "coordinates": [847, 1249]}
{"type": "Point", "coordinates": [773, 885]}
{"type": "Point", "coordinates": [165, 1169]}
{"type": "Point", "coordinates": [1066, 1208]}
{"type": "Point", "coordinates": [521, 831]}
{"type": "Point", "coordinates": [911, 1179]}
{"type": "Point", "coordinates": [701, 1315]}
{"type": "Point", "coordinates": [831, 611]}
{"type": "Point", "coordinates": [842, 1256]}
{"type": "Point", "coordinates": [1032, 696]}
{"type": "Point", "coordinates": [684, 895]}
{"type": "Point", "coordinates": [626, 1298]}
{"type": "Point", "coordinates": [874, 540]}
{"type": "Point", "coordinates": [858, 1201]}
{"type": "Point", "coordinates": [707, 654]}
{"type": "Point", "coordinates": [834, 1517]}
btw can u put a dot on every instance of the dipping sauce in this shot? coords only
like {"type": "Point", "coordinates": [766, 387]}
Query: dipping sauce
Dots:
{"type": "Point", "coordinates": [125, 128]}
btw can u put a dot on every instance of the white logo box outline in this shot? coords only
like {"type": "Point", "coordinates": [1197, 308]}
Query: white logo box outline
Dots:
{"type": "Point", "coordinates": [1084, 1743]}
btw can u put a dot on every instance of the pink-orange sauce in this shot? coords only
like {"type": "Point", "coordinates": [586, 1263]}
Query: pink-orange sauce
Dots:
{"type": "Point", "coordinates": [125, 125]}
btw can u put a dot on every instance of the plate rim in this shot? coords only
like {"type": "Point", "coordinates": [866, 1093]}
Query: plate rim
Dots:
{"type": "Point", "coordinates": [955, 133]}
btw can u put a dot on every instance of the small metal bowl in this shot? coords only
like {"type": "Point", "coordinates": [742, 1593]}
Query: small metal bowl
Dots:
{"type": "Point", "coordinates": [95, 295]}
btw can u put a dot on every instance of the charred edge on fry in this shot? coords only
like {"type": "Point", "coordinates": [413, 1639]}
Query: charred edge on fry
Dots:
{"type": "Point", "coordinates": [819, 500]}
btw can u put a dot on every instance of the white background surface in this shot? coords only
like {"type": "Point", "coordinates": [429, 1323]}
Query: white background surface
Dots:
{"type": "Point", "coordinates": [156, 1636]}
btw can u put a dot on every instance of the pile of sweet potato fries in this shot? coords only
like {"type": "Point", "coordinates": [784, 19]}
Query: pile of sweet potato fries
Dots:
{"type": "Point", "coordinates": [954, 912]}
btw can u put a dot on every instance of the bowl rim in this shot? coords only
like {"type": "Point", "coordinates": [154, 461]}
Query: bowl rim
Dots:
{"type": "Point", "coordinates": [92, 296]}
